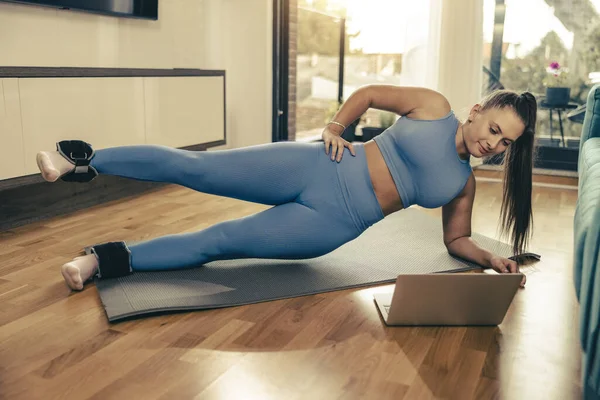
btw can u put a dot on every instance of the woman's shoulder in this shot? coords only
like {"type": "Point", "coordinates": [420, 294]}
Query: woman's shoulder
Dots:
{"type": "Point", "coordinates": [435, 107]}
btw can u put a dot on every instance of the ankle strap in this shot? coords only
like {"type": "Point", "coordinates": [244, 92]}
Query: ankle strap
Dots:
{"type": "Point", "coordinates": [78, 153]}
{"type": "Point", "coordinates": [114, 260]}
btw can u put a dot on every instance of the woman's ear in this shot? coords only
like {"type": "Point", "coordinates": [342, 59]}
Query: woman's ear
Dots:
{"type": "Point", "coordinates": [474, 110]}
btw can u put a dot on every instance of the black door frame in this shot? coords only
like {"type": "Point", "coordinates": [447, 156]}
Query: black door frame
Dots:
{"type": "Point", "coordinates": [281, 53]}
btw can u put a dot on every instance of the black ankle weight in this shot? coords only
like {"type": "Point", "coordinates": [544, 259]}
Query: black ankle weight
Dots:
{"type": "Point", "coordinates": [78, 153]}
{"type": "Point", "coordinates": [114, 260]}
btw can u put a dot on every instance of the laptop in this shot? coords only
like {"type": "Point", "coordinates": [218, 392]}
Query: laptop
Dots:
{"type": "Point", "coordinates": [449, 299]}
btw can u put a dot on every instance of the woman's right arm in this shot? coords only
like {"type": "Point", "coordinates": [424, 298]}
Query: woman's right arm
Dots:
{"type": "Point", "coordinates": [402, 100]}
{"type": "Point", "coordinates": [414, 102]}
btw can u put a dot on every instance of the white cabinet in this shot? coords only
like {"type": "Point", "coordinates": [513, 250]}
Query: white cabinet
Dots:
{"type": "Point", "coordinates": [175, 111]}
{"type": "Point", "coordinates": [102, 111]}
{"type": "Point", "coordinates": [11, 139]}
{"type": "Point", "coordinates": [181, 111]}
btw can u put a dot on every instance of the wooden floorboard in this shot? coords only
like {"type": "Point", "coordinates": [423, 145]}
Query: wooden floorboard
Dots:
{"type": "Point", "coordinates": [57, 344]}
{"type": "Point", "coordinates": [543, 179]}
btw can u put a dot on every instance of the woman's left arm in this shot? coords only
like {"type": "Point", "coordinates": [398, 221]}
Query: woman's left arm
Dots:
{"type": "Point", "coordinates": [456, 218]}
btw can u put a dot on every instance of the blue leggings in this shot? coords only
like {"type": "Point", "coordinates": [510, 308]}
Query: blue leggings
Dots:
{"type": "Point", "coordinates": [318, 204]}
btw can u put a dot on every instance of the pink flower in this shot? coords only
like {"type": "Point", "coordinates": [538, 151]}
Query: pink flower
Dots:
{"type": "Point", "coordinates": [554, 65]}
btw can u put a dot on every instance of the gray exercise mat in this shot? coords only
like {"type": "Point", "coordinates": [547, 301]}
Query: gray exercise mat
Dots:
{"type": "Point", "coordinates": [407, 242]}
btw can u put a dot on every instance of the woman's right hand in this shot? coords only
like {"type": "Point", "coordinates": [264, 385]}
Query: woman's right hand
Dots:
{"type": "Point", "coordinates": [335, 142]}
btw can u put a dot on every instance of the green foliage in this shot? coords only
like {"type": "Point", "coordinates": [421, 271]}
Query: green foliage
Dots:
{"type": "Point", "coordinates": [590, 55]}
{"type": "Point", "coordinates": [530, 73]}
{"type": "Point", "coordinates": [319, 33]}
{"type": "Point", "coordinates": [386, 119]}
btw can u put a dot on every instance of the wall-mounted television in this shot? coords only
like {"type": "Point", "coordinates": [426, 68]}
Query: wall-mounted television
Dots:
{"type": "Point", "coordinates": [146, 9]}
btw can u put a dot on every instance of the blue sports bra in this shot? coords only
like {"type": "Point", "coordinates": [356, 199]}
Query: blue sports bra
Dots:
{"type": "Point", "coordinates": [423, 161]}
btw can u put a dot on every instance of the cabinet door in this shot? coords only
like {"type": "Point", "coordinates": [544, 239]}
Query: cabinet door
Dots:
{"type": "Point", "coordinates": [12, 161]}
{"type": "Point", "coordinates": [105, 112]}
{"type": "Point", "coordinates": [183, 111]}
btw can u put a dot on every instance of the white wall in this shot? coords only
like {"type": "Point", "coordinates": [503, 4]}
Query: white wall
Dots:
{"type": "Point", "coordinates": [461, 53]}
{"type": "Point", "coordinates": [40, 36]}
{"type": "Point", "coordinates": [234, 35]}
{"type": "Point", "coordinates": [239, 40]}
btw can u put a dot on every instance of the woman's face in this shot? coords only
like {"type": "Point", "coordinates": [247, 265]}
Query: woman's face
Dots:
{"type": "Point", "coordinates": [491, 131]}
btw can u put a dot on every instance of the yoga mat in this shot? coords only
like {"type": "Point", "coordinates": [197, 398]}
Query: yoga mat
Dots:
{"type": "Point", "coordinates": [406, 242]}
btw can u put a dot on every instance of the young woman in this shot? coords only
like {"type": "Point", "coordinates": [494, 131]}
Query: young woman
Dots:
{"type": "Point", "coordinates": [324, 195]}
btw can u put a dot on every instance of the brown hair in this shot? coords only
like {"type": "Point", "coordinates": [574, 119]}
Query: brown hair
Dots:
{"type": "Point", "coordinates": [516, 214]}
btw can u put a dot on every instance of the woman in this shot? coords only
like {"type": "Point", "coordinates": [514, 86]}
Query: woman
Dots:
{"type": "Point", "coordinates": [324, 196]}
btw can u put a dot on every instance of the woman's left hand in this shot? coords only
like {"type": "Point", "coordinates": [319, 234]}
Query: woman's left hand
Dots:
{"type": "Point", "coordinates": [504, 265]}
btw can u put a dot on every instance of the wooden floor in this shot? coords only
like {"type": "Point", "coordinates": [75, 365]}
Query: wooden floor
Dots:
{"type": "Point", "coordinates": [55, 344]}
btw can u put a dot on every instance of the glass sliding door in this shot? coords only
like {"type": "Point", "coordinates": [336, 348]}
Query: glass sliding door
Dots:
{"type": "Point", "coordinates": [536, 44]}
{"type": "Point", "coordinates": [327, 49]}
{"type": "Point", "coordinates": [315, 91]}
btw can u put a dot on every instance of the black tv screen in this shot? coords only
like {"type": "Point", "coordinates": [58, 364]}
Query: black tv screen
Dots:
{"type": "Point", "coordinates": [147, 9]}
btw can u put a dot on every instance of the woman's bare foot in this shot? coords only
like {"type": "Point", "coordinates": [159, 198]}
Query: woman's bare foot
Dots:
{"type": "Point", "coordinates": [79, 270]}
{"type": "Point", "coordinates": [53, 165]}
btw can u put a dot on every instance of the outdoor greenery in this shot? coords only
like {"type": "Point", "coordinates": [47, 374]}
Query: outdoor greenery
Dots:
{"type": "Point", "coordinates": [590, 55]}
{"type": "Point", "coordinates": [386, 119]}
{"type": "Point", "coordinates": [319, 29]}
{"type": "Point", "coordinates": [531, 73]}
